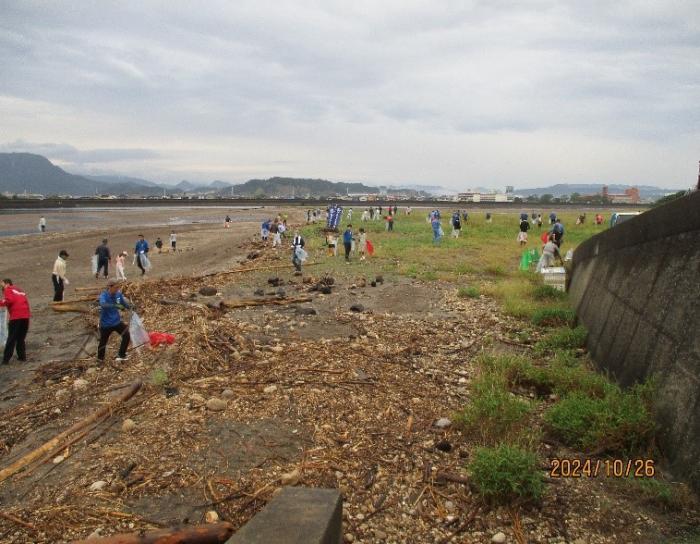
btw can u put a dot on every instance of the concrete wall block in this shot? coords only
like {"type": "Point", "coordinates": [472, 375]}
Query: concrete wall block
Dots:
{"type": "Point", "coordinates": [617, 353]}
{"type": "Point", "coordinates": [296, 515]}
{"type": "Point", "coordinates": [636, 288]}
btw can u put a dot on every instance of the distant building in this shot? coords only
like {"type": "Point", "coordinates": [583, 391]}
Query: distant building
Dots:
{"type": "Point", "coordinates": [630, 196]}
{"type": "Point", "coordinates": [474, 196]}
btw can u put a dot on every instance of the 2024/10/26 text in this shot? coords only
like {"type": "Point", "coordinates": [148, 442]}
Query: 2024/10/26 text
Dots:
{"type": "Point", "coordinates": [611, 468]}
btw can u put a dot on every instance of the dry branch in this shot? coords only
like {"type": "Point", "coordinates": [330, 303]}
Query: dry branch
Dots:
{"type": "Point", "coordinates": [242, 303]}
{"type": "Point", "coordinates": [58, 441]}
{"type": "Point", "coordinates": [215, 533]}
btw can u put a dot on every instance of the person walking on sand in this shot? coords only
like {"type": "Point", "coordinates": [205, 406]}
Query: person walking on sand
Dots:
{"type": "Point", "coordinates": [58, 277]}
{"type": "Point", "coordinates": [140, 251]}
{"type": "Point", "coordinates": [227, 222]}
{"type": "Point", "coordinates": [275, 231]}
{"type": "Point", "coordinates": [121, 260]}
{"type": "Point", "coordinates": [17, 304]}
{"type": "Point", "coordinates": [42, 224]}
{"type": "Point", "coordinates": [159, 245]}
{"type": "Point", "coordinates": [173, 241]}
{"type": "Point", "coordinates": [297, 244]}
{"type": "Point", "coordinates": [111, 301]}
{"type": "Point", "coordinates": [347, 242]}
{"type": "Point", "coordinates": [104, 257]}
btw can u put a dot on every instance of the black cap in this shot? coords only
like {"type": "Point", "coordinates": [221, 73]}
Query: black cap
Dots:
{"type": "Point", "coordinates": [63, 253]}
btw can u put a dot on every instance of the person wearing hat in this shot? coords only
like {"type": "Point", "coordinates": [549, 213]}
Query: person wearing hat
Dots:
{"type": "Point", "coordinates": [15, 300]}
{"type": "Point", "coordinates": [104, 257]}
{"type": "Point", "coordinates": [58, 277]}
{"type": "Point", "coordinates": [111, 301]}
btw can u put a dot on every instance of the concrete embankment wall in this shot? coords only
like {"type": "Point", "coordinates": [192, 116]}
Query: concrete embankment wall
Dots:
{"type": "Point", "coordinates": [636, 288]}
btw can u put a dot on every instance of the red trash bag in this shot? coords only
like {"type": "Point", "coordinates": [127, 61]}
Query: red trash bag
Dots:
{"type": "Point", "coordinates": [544, 237]}
{"type": "Point", "coordinates": [370, 248]}
{"type": "Point", "coordinates": [158, 338]}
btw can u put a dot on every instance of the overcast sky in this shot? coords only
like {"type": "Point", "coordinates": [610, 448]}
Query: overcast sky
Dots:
{"type": "Point", "coordinates": [460, 94]}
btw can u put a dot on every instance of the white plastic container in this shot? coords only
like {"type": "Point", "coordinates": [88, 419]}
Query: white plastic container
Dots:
{"type": "Point", "coordinates": [555, 276]}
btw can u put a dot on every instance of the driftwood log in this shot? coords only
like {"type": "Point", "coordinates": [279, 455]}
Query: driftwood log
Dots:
{"type": "Point", "coordinates": [79, 307]}
{"type": "Point", "coordinates": [214, 533]}
{"type": "Point", "coordinates": [252, 269]}
{"type": "Point", "coordinates": [58, 441]}
{"type": "Point", "coordinates": [242, 303]}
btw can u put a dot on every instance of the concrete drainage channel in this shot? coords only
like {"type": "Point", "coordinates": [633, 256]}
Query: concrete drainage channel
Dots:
{"type": "Point", "coordinates": [297, 515]}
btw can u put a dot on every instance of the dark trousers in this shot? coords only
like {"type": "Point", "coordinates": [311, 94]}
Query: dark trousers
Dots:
{"type": "Point", "coordinates": [105, 333]}
{"type": "Point", "coordinates": [296, 261]}
{"type": "Point", "coordinates": [391, 225]}
{"type": "Point", "coordinates": [57, 288]}
{"type": "Point", "coordinates": [138, 262]}
{"type": "Point", "coordinates": [558, 239]}
{"type": "Point", "coordinates": [348, 247]}
{"type": "Point", "coordinates": [16, 333]}
{"type": "Point", "coordinates": [102, 263]}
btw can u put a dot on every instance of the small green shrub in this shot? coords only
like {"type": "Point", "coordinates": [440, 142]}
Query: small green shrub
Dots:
{"type": "Point", "coordinates": [468, 292]}
{"type": "Point", "coordinates": [552, 317]}
{"type": "Point", "coordinates": [547, 292]}
{"type": "Point", "coordinates": [564, 338]}
{"type": "Point", "coordinates": [159, 377]}
{"type": "Point", "coordinates": [493, 411]}
{"type": "Point", "coordinates": [506, 474]}
{"type": "Point", "coordinates": [621, 421]}
{"type": "Point", "coordinates": [666, 496]}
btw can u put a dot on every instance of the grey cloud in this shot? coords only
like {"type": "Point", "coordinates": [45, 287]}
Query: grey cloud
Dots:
{"type": "Point", "coordinates": [70, 154]}
{"type": "Point", "coordinates": [300, 73]}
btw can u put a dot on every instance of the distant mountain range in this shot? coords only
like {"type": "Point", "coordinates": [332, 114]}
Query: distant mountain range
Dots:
{"type": "Point", "coordinates": [561, 189]}
{"type": "Point", "coordinates": [26, 172]}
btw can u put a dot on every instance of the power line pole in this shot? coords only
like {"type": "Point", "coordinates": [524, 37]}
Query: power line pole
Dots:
{"type": "Point", "coordinates": [698, 186]}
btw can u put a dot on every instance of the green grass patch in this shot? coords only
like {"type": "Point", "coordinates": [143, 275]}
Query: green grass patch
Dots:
{"type": "Point", "coordinates": [563, 338]}
{"type": "Point", "coordinates": [159, 377]}
{"type": "Point", "coordinates": [561, 375]}
{"type": "Point", "coordinates": [621, 421]}
{"type": "Point", "coordinates": [547, 292]}
{"type": "Point", "coordinates": [506, 474]}
{"type": "Point", "coordinates": [493, 412]}
{"type": "Point", "coordinates": [548, 317]}
{"type": "Point", "coordinates": [468, 292]}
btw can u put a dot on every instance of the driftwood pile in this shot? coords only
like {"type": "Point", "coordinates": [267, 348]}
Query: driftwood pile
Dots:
{"type": "Point", "coordinates": [242, 404]}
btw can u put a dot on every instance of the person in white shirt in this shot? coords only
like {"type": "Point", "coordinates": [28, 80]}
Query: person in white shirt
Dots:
{"type": "Point", "coordinates": [58, 277]}
{"type": "Point", "coordinates": [173, 240]}
{"type": "Point", "coordinates": [42, 224]}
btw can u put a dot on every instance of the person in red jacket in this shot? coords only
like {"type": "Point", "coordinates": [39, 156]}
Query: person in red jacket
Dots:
{"type": "Point", "coordinates": [15, 300]}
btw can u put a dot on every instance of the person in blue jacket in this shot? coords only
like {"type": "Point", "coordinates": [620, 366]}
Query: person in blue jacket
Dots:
{"type": "Point", "coordinates": [347, 242]}
{"type": "Point", "coordinates": [558, 232]}
{"type": "Point", "coordinates": [111, 301]}
{"type": "Point", "coordinates": [140, 250]}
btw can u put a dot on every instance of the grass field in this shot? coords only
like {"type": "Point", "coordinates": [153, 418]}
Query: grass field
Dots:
{"type": "Point", "coordinates": [569, 401]}
{"type": "Point", "coordinates": [484, 259]}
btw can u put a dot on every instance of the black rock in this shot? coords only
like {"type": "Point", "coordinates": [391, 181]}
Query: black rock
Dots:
{"type": "Point", "coordinates": [325, 290]}
{"type": "Point", "coordinates": [259, 292]}
{"type": "Point", "coordinates": [379, 279]}
{"type": "Point", "coordinates": [373, 284]}
{"type": "Point", "coordinates": [443, 445]}
{"type": "Point", "coordinates": [207, 291]}
{"type": "Point", "coordinates": [274, 281]}
{"type": "Point", "coordinates": [306, 311]}
{"type": "Point", "coordinates": [357, 308]}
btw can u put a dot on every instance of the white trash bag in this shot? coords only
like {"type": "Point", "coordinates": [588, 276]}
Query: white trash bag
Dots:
{"type": "Point", "coordinates": [137, 332]}
{"type": "Point", "coordinates": [94, 264]}
{"type": "Point", "coordinates": [145, 261]}
{"type": "Point", "coordinates": [3, 327]}
{"type": "Point", "coordinates": [301, 254]}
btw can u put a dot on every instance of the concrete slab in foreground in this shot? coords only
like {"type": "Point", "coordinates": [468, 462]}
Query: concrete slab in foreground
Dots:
{"type": "Point", "coordinates": [297, 515]}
